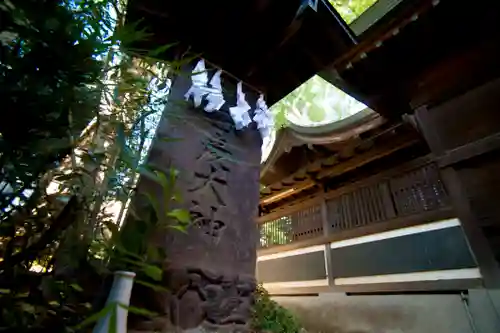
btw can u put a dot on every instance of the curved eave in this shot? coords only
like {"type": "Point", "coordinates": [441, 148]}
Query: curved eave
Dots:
{"type": "Point", "coordinates": [282, 136]}
{"type": "Point", "coordinates": [334, 132]}
{"type": "Point", "coordinates": [337, 131]}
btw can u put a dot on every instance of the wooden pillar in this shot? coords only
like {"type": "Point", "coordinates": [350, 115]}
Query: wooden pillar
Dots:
{"type": "Point", "coordinates": [464, 134]}
{"type": "Point", "coordinates": [210, 269]}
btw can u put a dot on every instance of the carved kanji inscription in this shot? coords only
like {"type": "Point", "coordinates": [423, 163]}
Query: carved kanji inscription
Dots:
{"type": "Point", "coordinates": [207, 220]}
{"type": "Point", "coordinates": [209, 186]}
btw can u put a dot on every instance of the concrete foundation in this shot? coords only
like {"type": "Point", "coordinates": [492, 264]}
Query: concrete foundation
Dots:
{"type": "Point", "coordinates": [338, 313]}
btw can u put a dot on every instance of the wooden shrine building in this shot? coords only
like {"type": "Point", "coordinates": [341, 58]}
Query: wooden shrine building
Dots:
{"type": "Point", "coordinates": [401, 199]}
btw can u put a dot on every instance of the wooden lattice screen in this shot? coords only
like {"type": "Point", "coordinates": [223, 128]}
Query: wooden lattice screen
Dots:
{"type": "Point", "coordinates": [360, 207]}
{"type": "Point", "coordinates": [414, 192]}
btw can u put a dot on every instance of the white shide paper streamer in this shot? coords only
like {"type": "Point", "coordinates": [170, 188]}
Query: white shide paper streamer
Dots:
{"type": "Point", "coordinates": [212, 92]}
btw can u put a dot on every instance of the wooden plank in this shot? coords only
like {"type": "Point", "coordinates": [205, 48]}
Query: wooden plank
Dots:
{"type": "Point", "coordinates": [344, 211]}
{"type": "Point", "coordinates": [387, 201]}
{"type": "Point", "coordinates": [369, 202]}
{"type": "Point", "coordinates": [360, 207]}
{"type": "Point", "coordinates": [381, 34]}
{"type": "Point", "coordinates": [365, 199]}
{"type": "Point", "coordinates": [364, 207]}
{"type": "Point", "coordinates": [476, 238]}
{"type": "Point", "coordinates": [381, 288]}
{"type": "Point", "coordinates": [424, 121]}
{"type": "Point", "coordinates": [373, 203]}
{"type": "Point", "coordinates": [355, 208]}
{"type": "Point", "coordinates": [332, 215]}
{"type": "Point", "coordinates": [324, 218]}
{"type": "Point", "coordinates": [379, 200]}
{"type": "Point", "coordinates": [468, 151]}
{"type": "Point", "coordinates": [377, 203]}
{"type": "Point", "coordinates": [453, 75]}
{"type": "Point", "coordinates": [396, 223]}
{"type": "Point", "coordinates": [409, 186]}
{"type": "Point", "coordinates": [403, 287]}
{"type": "Point", "coordinates": [349, 216]}
{"type": "Point", "coordinates": [475, 115]}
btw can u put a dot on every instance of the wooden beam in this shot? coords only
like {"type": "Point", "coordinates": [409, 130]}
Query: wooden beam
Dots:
{"type": "Point", "coordinates": [455, 74]}
{"type": "Point", "coordinates": [470, 150]}
{"type": "Point", "coordinates": [299, 187]}
{"type": "Point", "coordinates": [378, 36]}
{"type": "Point", "coordinates": [430, 287]}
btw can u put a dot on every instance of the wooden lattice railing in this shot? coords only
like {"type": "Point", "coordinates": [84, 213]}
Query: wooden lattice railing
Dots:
{"type": "Point", "coordinates": [411, 193]}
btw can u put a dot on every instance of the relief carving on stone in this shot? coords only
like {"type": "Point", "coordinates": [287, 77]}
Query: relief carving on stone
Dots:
{"type": "Point", "coordinates": [214, 301]}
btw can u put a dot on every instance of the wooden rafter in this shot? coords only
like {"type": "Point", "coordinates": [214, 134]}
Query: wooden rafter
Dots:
{"type": "Point", "coordinates": [357, 160]}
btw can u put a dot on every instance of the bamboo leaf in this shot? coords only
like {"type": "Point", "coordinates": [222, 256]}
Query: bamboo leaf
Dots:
{"type": "Point", "coordinates": [113, 319]}
{"type": "Point", "coordinates": [160, 50]}
{"type": "Point", "coordinates": [181, 215]}
{"type": "Point", "coordinates": [138, 311]}
{"type": "Point", "coordinates": [120, 248]}
{"type": "Point", "coordinates": [96, 316]}
{"type": "Point", "coordinates": [145, 170]}
{"type": "Point", "coordinates": [153, 272]}
{"type": "Point", "coordinates": [180, 228]}
{"type": "Point", "coordinates": [176, 196]}
{"type": "Point", "coordinates": [152, 286]}
{"type": "Point", "coordinates": [161, 179]}
{"type": "Point", "coordinates": [153, 201]}
{"type": "Point", "coordinates": [76, 287]}
{"type": "Point", "coordinates": [138, 263]}
{"type": "Point", "coordinates": [26, 307]}
{"type": "Point", "coordinates": [174, 173]}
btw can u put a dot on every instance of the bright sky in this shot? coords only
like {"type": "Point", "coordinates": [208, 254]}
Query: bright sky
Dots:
{"type": "Point", "coordinates": [317, 102]}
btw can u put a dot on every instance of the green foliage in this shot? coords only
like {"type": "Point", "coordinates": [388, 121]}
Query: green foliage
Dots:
{"type": "Point", "coordinates": [46, 76]}
{"type": "Point", "coordinates": [314, 102]}
{"type": "Point", "coordinates": [350, 10]}
{"type": "Point", "coordinates": [269, 316]}
{"type": "Point", "coordinates": [80, 106]}
{"type": "Point", "coordinates": [276, 232]}
{"type": "Point", "coordinates": [131, 247]}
